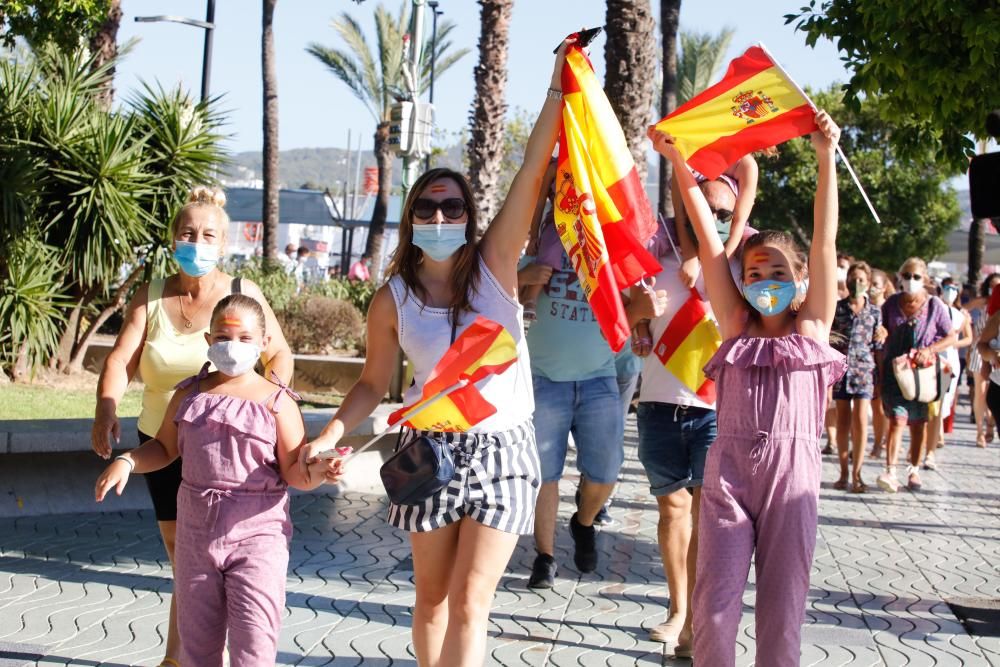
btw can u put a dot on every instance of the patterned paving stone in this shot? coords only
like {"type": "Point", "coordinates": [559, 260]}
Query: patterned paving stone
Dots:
{"type": "Point", "coordinates": [94, 589]}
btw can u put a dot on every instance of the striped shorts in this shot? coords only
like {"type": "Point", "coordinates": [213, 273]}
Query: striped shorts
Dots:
{"type": "Point", "coordinates": [496, 483]}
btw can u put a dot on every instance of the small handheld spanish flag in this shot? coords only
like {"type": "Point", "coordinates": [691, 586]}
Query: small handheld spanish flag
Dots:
{"type": "Point", "coordinates": [450, 400]}
{"type": "Point", "coordinates": [754, 106]}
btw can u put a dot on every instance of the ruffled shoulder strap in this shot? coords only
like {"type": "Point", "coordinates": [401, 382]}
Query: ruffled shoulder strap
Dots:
{"type": "Point", "coordinates": [195, 379]}
{"type": "Point", "coordinates": [282, 389]}
{"type": "Point", "coordinates": [787, 353]}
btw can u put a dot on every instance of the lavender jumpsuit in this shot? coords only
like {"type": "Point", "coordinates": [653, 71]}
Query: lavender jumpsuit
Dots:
{"type": "Point", "coordinates": [761, 488]}
{"type": "Point", "coordinates": [233, 530]}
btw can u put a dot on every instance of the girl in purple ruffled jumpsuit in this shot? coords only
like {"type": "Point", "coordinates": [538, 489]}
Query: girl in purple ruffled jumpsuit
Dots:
{"type": "Point", "coordinates": [239, 443]}
{"type": "Point", "coordinates": [762, 475]}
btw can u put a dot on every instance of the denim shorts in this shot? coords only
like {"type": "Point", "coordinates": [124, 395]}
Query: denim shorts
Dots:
{"type": "Point", "coordinates": [673, 445]}
{"type": "Point", "coordinates": [592, 411]}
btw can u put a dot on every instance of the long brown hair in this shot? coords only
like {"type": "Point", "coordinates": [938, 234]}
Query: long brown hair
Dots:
{"type": "Point", "coordinates": [465, 277]}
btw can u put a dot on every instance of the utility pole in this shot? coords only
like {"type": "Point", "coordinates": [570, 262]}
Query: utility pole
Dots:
{"type": "Point", "coordinates": [433, 4]}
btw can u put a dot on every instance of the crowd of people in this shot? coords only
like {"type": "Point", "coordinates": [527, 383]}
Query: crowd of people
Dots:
{"type": "Point", "coordinates": [730, 415]}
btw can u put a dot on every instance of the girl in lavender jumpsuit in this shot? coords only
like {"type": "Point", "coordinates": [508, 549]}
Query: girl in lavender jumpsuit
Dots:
{"type": "Point", "coordinates": [239, 442]}
{"type": "Point", "coordinates": [762, 475]}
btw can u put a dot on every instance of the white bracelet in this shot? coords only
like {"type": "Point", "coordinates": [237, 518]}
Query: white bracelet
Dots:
{"type": "Point", "coordinates": [554, 94]}
{"type": "Point", "coordinates": [131, 464]}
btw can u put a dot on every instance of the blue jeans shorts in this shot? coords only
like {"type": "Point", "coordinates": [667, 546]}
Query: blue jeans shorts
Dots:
{"type": "Point", "coordinates": [673, 445]}
{"type": "Point", "coordinates": [592, 411]}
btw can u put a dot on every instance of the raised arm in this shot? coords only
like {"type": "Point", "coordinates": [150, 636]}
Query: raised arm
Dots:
{"type": "Point", "coordinates": [816, 315]}
{"type": "Point", "coordinates": [746, 176]}
{"type": "Point", "coordinates": [504, 238]}
{"type": "Point", "coordinates": [727, 303]}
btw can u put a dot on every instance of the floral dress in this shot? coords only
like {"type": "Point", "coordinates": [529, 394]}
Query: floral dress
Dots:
{"type": "Point", "coordinates": [853, 336]}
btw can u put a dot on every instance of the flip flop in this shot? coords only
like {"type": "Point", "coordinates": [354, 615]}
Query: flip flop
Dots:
{"type": "Point", "coordinates": [169, 662]}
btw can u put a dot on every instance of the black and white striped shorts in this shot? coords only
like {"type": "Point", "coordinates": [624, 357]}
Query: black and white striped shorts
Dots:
{"type": "Point", "coordinates": [496, 483]}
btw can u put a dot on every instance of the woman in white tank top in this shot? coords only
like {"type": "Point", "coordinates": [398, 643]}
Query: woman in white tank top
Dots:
{"type": "Point", "coordinates": [440, 279]}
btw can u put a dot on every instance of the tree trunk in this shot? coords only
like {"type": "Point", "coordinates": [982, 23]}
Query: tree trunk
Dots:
{"type": "Point", "coordinates": [104, 47]}
{"type": "Point", "coordinates": [977, 247]}
{"type": "Point", "coordinates": [489, 109]}
{"type": "Point", "coordinates": [630, 64]}
{"type": "Point", "coordinates": [670, 16]}
{"type": "Point", "coordinates": [80, 349]}
{"type": "Point", "coordinates": [376, 229]}
{"type": "Point", "coordinates": [270, 75]}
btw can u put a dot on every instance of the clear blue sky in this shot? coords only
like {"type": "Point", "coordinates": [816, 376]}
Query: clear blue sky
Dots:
{"type": "Point", "coordinates": [316, 110]}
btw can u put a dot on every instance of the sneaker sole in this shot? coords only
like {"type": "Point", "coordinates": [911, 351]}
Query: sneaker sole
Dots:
{"type": "Point", "coordinates": [885, 486]}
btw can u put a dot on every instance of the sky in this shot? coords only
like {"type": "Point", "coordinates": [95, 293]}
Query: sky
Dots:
{"type": "Point", "coordinates": [317, 110]}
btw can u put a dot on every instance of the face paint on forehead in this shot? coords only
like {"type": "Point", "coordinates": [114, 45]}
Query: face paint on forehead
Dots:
{"type": "Point", "coordinates": [232, 321]}
{"type": "Point", "coordinates": [438, 188]}
{"type": "Point", "coordinates": [760, 257]}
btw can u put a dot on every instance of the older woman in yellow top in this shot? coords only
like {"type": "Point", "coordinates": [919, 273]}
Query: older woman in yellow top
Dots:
{"type": "Point", "coordinates": [163, 337]}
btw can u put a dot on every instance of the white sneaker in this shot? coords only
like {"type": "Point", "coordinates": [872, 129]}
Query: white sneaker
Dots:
{"type": "Point", "coordinates": [887, 481]}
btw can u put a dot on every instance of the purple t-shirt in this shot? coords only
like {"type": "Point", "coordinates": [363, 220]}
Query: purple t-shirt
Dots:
{"type": "Point", "coordinates": [933, 320]}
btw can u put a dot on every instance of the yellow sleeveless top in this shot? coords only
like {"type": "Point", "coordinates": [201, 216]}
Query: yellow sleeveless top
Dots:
{"type": "Point", "coordinates": [168, 357]}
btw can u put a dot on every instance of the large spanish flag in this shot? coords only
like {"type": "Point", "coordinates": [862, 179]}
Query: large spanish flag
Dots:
{"type": "Point", "coordinates": [753, 107]}
{"type": "Point", "coordinates": [485, 348]}
{"type": "Point", "coordinates": [601, 211]}
{"type": "Point", "coordinates": [688, 343]}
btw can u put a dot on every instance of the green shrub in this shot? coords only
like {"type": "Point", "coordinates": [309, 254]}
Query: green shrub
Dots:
{"type": "Point", "coordinates": [317, 324]}
{"type": "Point", "coordinates": [357, 292]}
{"type": "Point", "coordinates": [277, 285]}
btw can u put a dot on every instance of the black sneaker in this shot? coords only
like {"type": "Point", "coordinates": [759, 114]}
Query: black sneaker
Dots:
{"type": "Point", "coordinates": [585, 553]}
{"type": "Point", "coordinates": [543, 572]}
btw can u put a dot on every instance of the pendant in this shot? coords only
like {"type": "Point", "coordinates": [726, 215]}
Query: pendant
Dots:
{"type": "Point", "coordinates": [187, 324]}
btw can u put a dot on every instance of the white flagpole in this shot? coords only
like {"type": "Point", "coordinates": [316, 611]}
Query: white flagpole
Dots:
{"type": "Point", "coordinates": [840, 151]}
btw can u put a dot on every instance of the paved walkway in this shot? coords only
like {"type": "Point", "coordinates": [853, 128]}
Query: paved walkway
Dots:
{"type": "Point", "coordinates": [93, 589]}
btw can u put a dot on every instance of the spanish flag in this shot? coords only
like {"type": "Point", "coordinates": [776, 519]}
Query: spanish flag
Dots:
{"type": "Point", "coordinates": [753, 107]}
{"type": "Point", "coordinates": [601, 211]}
{"type": "Point", "coordinates": [485, 348]}
{"type": "Point", "coordinates": [688, 343]}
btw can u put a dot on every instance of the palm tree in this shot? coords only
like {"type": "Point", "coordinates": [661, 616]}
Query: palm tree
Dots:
{"type": "Point", "coordinates": [377, 80]}
{"type": "Point", "coordinates": [269, 215]}
{"type": "Point", "coordinates": [630, 61]}
{"type": "Point", "coordinates": [486, 131]}
{"type": "Point", "coordinates": [104, 46]}
{"type": "Point", "coordinates": [702, 56]}
{"type": "Point", "coordinates": [670, 17]}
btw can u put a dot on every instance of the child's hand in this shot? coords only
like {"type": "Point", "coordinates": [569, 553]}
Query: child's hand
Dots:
{"type": "Point", "coordinates": [688, 273]}
{"type": "Point", "coordinates": [642, 342]}
{"type": "Point", "coordinates": [115, 475]}
{"type": "Point", "coordinates": [329, 470]}
{"type": "Point", "coordinates": [826, 138]}
{"type": "Point", "coordinates": [663, 143]}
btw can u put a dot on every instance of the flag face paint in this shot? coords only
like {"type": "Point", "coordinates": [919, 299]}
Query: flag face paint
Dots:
{"type": "Point", "coordinates": [485, 348]}
{"type": "Point", "coordinates": [601, 211]}
{"type": "Point", "coordinates": [754, 106]}
{"type": "Point", "coordinates": [687, 344]}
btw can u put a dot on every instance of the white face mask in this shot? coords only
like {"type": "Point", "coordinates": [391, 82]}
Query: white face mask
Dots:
{"type": "Point", "coordinates": [233, 357]}
{"type": "Point", "coordinates": [841, 274]}
{"type": "Point", "coordinates": [912, 286]}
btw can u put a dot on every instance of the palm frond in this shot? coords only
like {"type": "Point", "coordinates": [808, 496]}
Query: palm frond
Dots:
{"type": "Point", "coordinates": [350, 31]}
{"type": "Point", "coordinates": [701, 57]}
{"type": "Point", "coordinates": [348, 71]}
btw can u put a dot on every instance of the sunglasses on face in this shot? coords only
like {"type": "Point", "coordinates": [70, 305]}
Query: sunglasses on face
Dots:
{"type": "Point", "coordinates": [722, 215]}
{"type": "Point", "coordinates": [911, 276]}
{"type": "Point", "coordinates": [451, 208]}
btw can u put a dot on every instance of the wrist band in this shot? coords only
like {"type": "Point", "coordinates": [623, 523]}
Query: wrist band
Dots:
{"type": "Point", "coordinates": [131, 464]}
{"type": "Point", "coordinates": [554, 94]}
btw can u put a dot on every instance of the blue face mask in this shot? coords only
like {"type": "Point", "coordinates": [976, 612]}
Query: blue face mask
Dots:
{"type": "Point", "coordinates": [723, 228]}
{"type": "Point", "coordinates": [196, 259]}
{"type": "Point", "coordinates": [949, 294]}
{"type": "Point", "coordinates": [439, 241]}
{"type": "Point", "coordinates": [770, 297]}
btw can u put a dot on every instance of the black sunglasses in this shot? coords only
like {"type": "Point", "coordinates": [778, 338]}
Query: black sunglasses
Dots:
{"type": "Point", "coordinates": [451, 208]}
{"type": "Point", "coordinates": [911, 276]}
{"type": "Point", "coordinates": [722, 215]}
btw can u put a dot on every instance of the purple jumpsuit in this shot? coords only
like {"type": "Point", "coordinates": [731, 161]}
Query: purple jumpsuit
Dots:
{"type": "Point", "coordinates": [760, 492]}
{"type": "Point", "coordinates": [233, 530]}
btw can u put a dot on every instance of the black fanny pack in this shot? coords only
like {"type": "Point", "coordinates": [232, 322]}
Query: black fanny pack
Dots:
{"type": "Point", "coordinates": [418, 470]}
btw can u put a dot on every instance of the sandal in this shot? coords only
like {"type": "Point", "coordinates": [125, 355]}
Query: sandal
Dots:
{"type": "Point", "coordinates": [859, 486]}
{"type": "Point", "coordinates": [981, 441]}
{"type": "Point", "coordinates": [169, 662]}
{"type": "Point", "coordinates": [876, 452]}
{"type": "Point", "coordinates": [840, 484]}
{"type": "Point", "coordinates": [684, 652]}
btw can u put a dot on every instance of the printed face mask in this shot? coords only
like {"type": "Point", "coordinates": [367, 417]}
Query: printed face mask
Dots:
{"type": "Point", "coordinates": [770, 297]}
{"type": "Point", "coordinates": [233, 357]}
{"type": "Point", "coordinates": [196, 259]}
{"type": "Point", "coordinates": [439, 241]}
{"type": "Point", "coordinates": [857, 289]}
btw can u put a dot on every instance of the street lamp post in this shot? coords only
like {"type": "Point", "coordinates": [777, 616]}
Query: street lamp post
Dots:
{"type": "Point", "coordinates": [433, 4]}
{"type": "Point", "coordinates": [208, 25]}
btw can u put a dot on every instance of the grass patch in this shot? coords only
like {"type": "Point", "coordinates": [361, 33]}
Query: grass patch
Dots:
{"type": "Point", "coordinates": [38, 402]}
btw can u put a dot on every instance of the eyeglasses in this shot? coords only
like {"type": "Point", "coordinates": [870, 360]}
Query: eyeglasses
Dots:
{"type": "Point", "coordinates": [911, 276]}
{"type": "Point", "coordinates": [451, 208]}
{"type": "Point", "coordinates": [722, 215]}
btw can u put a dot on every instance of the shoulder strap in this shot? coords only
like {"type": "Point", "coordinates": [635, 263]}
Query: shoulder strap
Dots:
{"type": "Point", "coordinates": [282, 389]}
{"type": "Point", "coordinates": [195, 379]}
{"type": "Point", "coordinates": [237, 286]}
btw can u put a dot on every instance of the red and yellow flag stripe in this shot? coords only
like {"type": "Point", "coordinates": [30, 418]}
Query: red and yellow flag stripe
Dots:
{"type": "Point", "coordinates": [688, 344]}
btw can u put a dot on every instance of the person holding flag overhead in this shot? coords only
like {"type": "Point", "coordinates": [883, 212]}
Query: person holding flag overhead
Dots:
{"type": "Point", "coordinates": [440, 281]}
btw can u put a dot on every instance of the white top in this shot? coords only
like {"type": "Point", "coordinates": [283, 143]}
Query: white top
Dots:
{"type": "Point", "coordinates": [658, 384]}
{"type": "Point", "coordinates": [425, 335]}
{"type": "Point", "coordinates": [951, 354]}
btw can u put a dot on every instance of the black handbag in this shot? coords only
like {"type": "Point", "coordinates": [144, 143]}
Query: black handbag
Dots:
{"type": "Point", "coordinates": [418, 470]}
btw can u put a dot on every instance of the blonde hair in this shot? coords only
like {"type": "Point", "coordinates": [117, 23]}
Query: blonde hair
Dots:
{"type": "Point", "coordinates": [241, 303]}
{"type": "Point", "coordinates": [914, 262]}
{"type": "Point", "coordinates": [202, 196]}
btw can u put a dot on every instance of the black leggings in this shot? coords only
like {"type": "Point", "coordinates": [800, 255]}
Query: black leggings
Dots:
{"type": "Point", "coordinates": [163, 486]}
{"type": "Point", "coordinates": [993, 400]}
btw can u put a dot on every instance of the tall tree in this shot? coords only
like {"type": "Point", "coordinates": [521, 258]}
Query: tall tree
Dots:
{"type": "Point", "coordinates": [670, 19]}
{"type": "Point", "coordinates": [376, 79]}
{"type": "Point", "coordinates": [931, 66]}
{"type": "Point", "coordinates": [630, 65]}
{"type": "Point", "coordinates": [701, 57]}
{"type": "Point", "coordinates": [913, 198]}
{"type": "Point", "coordinates": [59, 22]}
{"type": "Point", "coordinates": [489, 108]}
{"type": "Point", "coordinates": [269, 71]}
{"type": "Point", "coordinates": [104, 47]}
